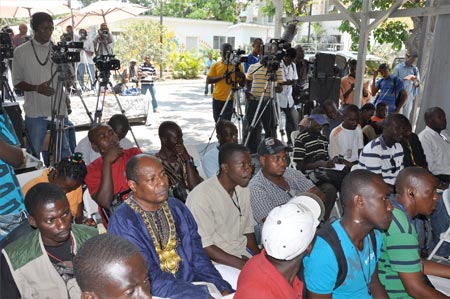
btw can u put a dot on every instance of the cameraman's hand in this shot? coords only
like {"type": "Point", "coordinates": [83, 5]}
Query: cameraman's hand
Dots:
{"type": "Point", "coordinates": [45, 89]}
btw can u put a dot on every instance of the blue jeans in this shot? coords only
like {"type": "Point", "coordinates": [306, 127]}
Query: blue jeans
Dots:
{"type": "Point", "coordinates": [80, 74]}
{"type": "Point", "coordinates": [144, 88]}
{"type": "Point", "coordinates": [37, 129]}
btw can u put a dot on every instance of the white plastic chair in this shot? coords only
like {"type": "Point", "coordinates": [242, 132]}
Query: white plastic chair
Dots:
{"type": "Point", "coordinates": [445, 236]}
{"type": "Point", "coordinates": [294, 135]}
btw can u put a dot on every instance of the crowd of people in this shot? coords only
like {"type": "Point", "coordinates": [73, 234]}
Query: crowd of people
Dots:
{"type": "Point", "coordinates": [258, 221]}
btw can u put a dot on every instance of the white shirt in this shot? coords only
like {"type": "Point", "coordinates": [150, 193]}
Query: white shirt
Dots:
{"type": "Point", "coordinates": [437, 150]}
{"type": "Point", "coordinates": [346, 143]}
{"type": "Point", "coordinates": [289, 73]}
{"type": "Point", "coordinates": [88, 45]}
{"type": "Point", "coordinates": [210, 161]}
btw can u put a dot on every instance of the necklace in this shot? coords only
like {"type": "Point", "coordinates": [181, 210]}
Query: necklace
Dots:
{"type": "Point", "coordinates": [57, 258]}
{"type": "Point", "coordinates": [37, 57]}
{"type": "Point", "coordinates": [236, 203]}
{"type": "Point", "coordinates": [167, 253]}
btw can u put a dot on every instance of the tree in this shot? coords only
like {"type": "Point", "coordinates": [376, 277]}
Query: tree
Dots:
{"type": "Point", "coordinates": [392, 32]}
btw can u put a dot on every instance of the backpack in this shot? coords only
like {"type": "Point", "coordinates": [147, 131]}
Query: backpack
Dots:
{"type": "Point", "coordinates": [330, 236]}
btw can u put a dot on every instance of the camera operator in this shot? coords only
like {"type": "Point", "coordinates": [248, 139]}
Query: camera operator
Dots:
{"type": "Point", "coordinates": [223, 74]}
{"type": "Point", "coordinates": [257, 76]}
{"type": "Point", "coordinates": [32, 73]}
{"type": "Point", "coordinates": [87, 62]}
{"type": "Point", "coordinates": [286, 100]}
{"type": "Point", "coordinates": [255, 55]}
{"type": "Point", "coordinates": [103, 42]}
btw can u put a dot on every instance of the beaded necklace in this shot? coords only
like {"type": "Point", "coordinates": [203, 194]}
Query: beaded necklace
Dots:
{"type": "Point", "coordinates": [167, 253]}
{"type": "Point", "coordinates": [37, 57]}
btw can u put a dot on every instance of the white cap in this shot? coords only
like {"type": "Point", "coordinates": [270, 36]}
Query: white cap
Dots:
{"type": "Point", "coordinates": [133, 60]}
{"type": "Point", "coordinates": [312, 201]}
{"type": "Point", "coordinates": [290, 228]}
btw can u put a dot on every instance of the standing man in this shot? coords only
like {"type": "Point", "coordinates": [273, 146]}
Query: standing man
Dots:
{"type": "Point", "coordinates": [87, 62]}
{"type": "Point", "coordinates": [104, 41]}
{"type": "Point", "coordinates": [409, 73]}
{"type": "Point", "coordinates": [401, 268]}
{"type": "Point", "coordinates": [367, 208]}
{"type": "Point", "coordinates": [33, 73]}
{"type": "Point", "coordinates": [19, 38]}
{"type": "Point", "coordinates": [224, 75]}
{"type": "Point", "coordinates": [255, 55]}
{"type": "Point", "coordinates": [221, 207]}
{"type": "Point", "coordinates": [347, 92]}
{"type": "Point", "coordinates": [208, 63]}
{"type": "Point", "coordinates": [147, 74]}
{"type": "Point", "coordinates": [285, 99]}
{"type": "Point", "coordinates": [392, 90]}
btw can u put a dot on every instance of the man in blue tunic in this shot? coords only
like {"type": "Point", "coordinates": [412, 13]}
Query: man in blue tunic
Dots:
{"type": "Point", "coordinates": [166, 234]}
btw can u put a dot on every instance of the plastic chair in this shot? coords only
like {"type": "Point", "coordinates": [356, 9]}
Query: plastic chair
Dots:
{"type": "Point", "coordinates": [444, 237]}
{"type": "Point", "coordinates": [294, 135]}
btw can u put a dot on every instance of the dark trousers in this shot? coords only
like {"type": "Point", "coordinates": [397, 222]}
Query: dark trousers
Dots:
{"type": "Point", "coordinates": [217, 108]}
{"type": "Point", "coordinates": [267, 120]}
{"type": "Point", "coordinates": [291, 122]}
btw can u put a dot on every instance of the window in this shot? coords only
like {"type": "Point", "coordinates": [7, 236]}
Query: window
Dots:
{"type": "Point", "coordinates": [230, 40]}
{"type": "Point", "coordinates": [218, 41]}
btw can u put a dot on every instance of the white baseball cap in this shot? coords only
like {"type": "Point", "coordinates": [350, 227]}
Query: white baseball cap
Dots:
{"type": "Point", "coordinates": [290, 228]}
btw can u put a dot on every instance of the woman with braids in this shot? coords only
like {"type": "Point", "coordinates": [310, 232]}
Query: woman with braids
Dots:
{"type": "Point", "coordinates": [68, 174]}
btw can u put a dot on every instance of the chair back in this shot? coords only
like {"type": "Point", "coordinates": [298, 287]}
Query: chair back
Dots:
{"type": "Point", "coordinates": [446, 199]}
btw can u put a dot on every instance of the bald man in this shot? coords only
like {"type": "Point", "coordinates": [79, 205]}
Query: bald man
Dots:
{"type": "Point", "coordinates": [401, 269]}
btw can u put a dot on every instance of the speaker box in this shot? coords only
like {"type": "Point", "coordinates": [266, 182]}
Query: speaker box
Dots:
{"type": "Point", "coordinates": [324, 65]}
{"type": "Point", "coordinates": [321, 90]}
{"type": "Point", "coordinates": [15, 114]}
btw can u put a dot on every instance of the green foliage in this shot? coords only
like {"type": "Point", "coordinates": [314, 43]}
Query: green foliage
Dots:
{"type": "Point", "coordinates": [269, 9]}
{"type": "Point", "coordinates": [185, 65]}
{"type": "Point", "coordinates": [139, 39]}
{"type": "Point", "coordinates": [389, 32]}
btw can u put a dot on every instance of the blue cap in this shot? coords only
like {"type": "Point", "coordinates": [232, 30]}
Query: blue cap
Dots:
{"type": "Point", "coordinates": [321, 119]}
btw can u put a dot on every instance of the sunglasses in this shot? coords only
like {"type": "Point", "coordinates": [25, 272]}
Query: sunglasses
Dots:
{"type": "Point", "coordinates": [394, 166]}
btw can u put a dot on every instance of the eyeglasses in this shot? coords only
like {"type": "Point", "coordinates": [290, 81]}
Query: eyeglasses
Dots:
{"type": "Point", "coordinates": [394, 166]}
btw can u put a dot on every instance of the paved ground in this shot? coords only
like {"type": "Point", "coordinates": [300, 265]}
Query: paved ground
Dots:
{"type": "Point", "coordinates": [183, 102]}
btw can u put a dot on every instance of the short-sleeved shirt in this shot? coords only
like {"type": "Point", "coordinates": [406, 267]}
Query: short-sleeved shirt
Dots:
{"type": "Point", "coordinates": [259, 279]}
{"type": "Point", "coordinates": [251, 59]}
{"type": "Point", "coordinates": [148, 73]}
{"type": "Point", "coordinates": [94, 172]}
{"type": "Point", "coordinates": [210, 161]}
{"type": "Point", "coordinates": [222, 220]}
{"type": "Point", "coordinates": [258, 75]}
{"type": "Point", "coordinates": [378, 158]}
{"type": "Point", "coordinates": [265, 195]}
{"type": "Point", "coordinates": [399, 253]}
{"type": "Point", "coordinates": [221, 88]}
{"type": "Point", "coordinates": [387, 93]}
{"type": "Point", "coordinates": [346, 142]}
{"type": "Point", "coordinates": [289, 73]}
{"type": "Point", "coordinates": [310, 147]}
{"type": "Point", "coordinates": [437, 150]}
{"type": "Point", "coordinates": [321, 266]}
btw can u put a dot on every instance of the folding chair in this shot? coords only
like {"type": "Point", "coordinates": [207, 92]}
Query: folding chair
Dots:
{"type": "Point", "coordinates": [444, 237]}
{"type": "Point", "coordinates": [294, 135]}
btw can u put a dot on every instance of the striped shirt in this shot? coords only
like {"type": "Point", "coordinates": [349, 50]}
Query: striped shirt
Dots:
{"type": "Point", "coordinates": [399, 253]}
{"type": "Point", "coordinates": [265, 195]}
{"type": "Point", "coordinates": [259, 79]}
{"type": "Point", "coordinates": [378, 158]}
{"type": "Point", "coordinates": [310, 147]}
{"type": "Point", "coordinates": [149, 72]}
{"type": "Point", "coordinates": [387, 93]}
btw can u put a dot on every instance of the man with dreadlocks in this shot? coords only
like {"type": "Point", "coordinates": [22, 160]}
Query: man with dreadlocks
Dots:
{"type": "Point", "coordinates": [68, 174]}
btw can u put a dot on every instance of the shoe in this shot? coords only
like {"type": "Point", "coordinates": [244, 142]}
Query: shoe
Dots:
{"type": "Point", "coordinates": [155, 111]}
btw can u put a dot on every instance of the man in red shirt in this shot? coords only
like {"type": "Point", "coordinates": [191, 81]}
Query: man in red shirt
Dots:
{"type": "Point", "coordinates": [106, 175]}
{"type": "Point", "coordinates": [286, 235]}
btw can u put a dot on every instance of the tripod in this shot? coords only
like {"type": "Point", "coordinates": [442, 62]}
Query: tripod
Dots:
{"type": "Point", "coordinates": [260, 110]}
{"type": "Point", "coordinates": [103, 80]}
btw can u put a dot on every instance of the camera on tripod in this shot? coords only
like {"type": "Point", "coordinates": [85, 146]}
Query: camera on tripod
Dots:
{"type": "Point", "coordinates": [236, 57]}
{"type": "Point", "coordinates": [6, 48]}
{"type": "Point", "coordinates": [273, 52]}
{"type": "Point", "coordinates": [66, 52]}
{"type": "Point", "coordinates": [104, 34]}
{"type": "Point", "coordinates": [106, 63]}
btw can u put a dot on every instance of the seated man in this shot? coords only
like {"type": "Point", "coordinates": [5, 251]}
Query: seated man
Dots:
{"type": "Point", "coordinates": [287, 236]}
{"type": "Point", "coordinates": [401, 268]}
{"type": "Point", "coordinates": [166, 234]}
{"type": "Point", "coordinates": [221, 207]}
{"type": "Point", "coordinates": [39, 264]}
{"type": "Point", "coordinates": [106, 175]}
{"type": "Point", "coordinates": [226, 133]}
{"type": "Point", "coordinates": [335, 117]}
{"type": "Point", "coordinates": [374, 127]}
{"type": "Point", "coordinates": [119, 123]}
{"type": "Point", "coordinates": [366, 113]}
{"type": "Point", "coordinates": [384, 155]}
{"type": "Point", "coordinates": [108, 266]}
{"type": "Point", "coordinates": [346, 140]}
{"type": "Point", "coordinates": [367, 207]}
{"type": "Point", "coordinates": [275, 184]}
{"type": "Point", "coordinates": [178, 164]}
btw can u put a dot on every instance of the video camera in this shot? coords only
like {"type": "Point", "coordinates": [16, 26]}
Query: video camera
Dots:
{"type": "Point", "coordinates": [106, 63]}
{"type": "Point", "coordinates": [273, 52]}
{"type": "Point", "coordinates": [66, 52]}
{"type": "Point", "coordinates": [104, 33]}
{"type": "Point", "coordinates": [235, 57]}
{"type": "Point", "coordinates": [6, 47]}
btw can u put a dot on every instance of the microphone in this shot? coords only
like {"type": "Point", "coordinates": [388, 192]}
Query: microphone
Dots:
{"type": "Point", "coordinates": [289, 32]}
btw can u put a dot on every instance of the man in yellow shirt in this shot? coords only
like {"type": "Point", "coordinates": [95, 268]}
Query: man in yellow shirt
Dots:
{"type": "Point", "coordinates": [223, 74]}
